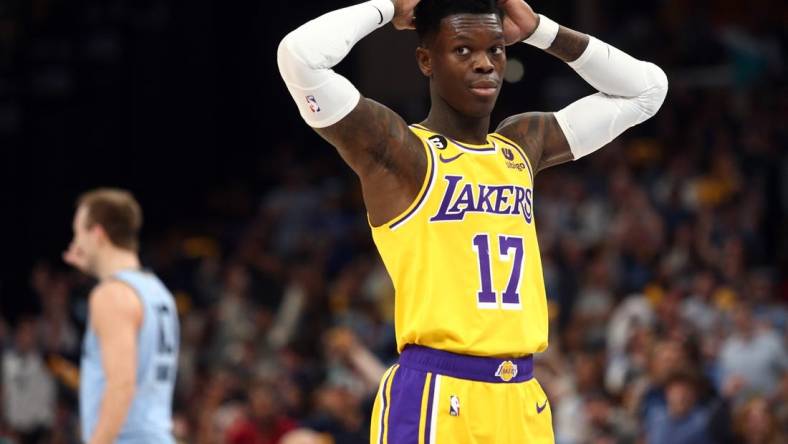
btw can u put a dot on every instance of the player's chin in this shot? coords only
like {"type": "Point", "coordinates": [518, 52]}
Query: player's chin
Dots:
{"type": "Point", "coordinates": [479, 109]}
{"type": "Point", "coordinates": [480, 106]}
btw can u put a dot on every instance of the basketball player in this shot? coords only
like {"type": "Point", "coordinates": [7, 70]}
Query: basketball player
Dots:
{"type": "Point", "coordinates": [451, 205]}
{"type": "Point", "coordinates": [130, 348]}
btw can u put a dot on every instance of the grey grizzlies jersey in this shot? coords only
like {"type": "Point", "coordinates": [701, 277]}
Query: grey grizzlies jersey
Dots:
{"type": "Point", "coordinates": [149, 419]}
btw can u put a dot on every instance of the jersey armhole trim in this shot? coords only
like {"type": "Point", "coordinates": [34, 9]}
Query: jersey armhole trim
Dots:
{"type": "Point", "coordinates": [420, 198]}
{"type": "Point", "coordinates": [137, 294]}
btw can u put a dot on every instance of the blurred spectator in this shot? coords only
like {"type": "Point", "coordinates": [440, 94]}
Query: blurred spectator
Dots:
{"type": "Point", "coordinates": [28, 388]}
{"type": "Point", "coordinates": [55, 326]}
{"type": "Point", "coordinates": [683, 420]}
{"type": "Point", "coordinates": [697, 308]}
{"type": "Point", "coordinates": [338, 413]}
{"type": "Point", "coordinates": [261, 422]}
{"type": "Point", "coordinates": [306, 436]}
{"type": "Point", "coordinates": [668, 357]}
{"type": "Point", "coordinates": [664, 253]}
{"type": "Point", "coordinates": [754, 353]}
{"type": "Point", "coordinates": [628, 341]}
{"type": "Point", "coordinates": [607, 422]}
{"type": "Point", "coordinates": [765, 309]}
{"type": "Point", "coordinates": [755, 423]}
{"type": "Point", "coordinates": [346, 353]}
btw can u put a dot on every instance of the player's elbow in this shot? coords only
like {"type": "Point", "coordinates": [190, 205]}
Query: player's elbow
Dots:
{"type": "Point", "coordinates": [653, 98]}
{"type": "Point", "coordinates": [298, 64]}
{"type": "Point", "coordinates": [298, 51]}
{"type": "Point", "coordinates": [285, 58]}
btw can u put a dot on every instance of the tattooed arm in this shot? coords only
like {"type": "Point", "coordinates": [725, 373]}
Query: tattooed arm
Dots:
{"type": "Point", "coordinates": [538, 132]}
{"type": "Point", "coordinates": [373, 140]}
{"type": "Point", "coordinates": [630, 91]}
{"type": "Point", "coordinates": [388, 158]}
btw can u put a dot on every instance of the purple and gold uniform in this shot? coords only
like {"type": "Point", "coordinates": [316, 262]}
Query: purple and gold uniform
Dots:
{"type": "Point", "coordinates": [470, 304]}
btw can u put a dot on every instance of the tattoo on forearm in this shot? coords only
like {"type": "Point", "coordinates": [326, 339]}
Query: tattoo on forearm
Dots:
{"type": "Point", "coordinates": [568, 44]}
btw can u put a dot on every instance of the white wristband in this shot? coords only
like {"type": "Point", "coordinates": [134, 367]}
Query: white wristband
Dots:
{"type": "Point", "coordinates": [544, 34]}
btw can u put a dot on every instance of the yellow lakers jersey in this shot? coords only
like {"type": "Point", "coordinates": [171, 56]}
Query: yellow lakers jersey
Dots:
{"type": "Point", "coordinates": [463, 257]}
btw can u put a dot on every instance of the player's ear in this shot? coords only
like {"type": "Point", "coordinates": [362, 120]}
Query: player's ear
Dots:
{"type": "Point", "coordinates": [99, 232]}
{"type": "Point", "coordinates": [424, 60]}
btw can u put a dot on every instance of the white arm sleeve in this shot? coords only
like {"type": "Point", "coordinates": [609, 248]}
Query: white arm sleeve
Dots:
{"type": "Point", "coordinates": [306, 56]}
{"type": "Point", "coordinates": [630, 91]}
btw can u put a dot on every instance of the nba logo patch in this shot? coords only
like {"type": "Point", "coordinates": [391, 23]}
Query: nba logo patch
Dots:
{"type": "Point", "coordinates": [454, 406]}
{"type": "Point", "coordinates": [313, 106]}
{"type": "Point", "coordinates": [508, 154]}
{"type": "Point", "coordinates": [506, 371]}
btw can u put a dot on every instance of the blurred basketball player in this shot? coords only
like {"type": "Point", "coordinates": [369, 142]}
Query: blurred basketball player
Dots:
{"type": "Point", "coordinates": [130, 348]}
{"type": "Point", "coordinates": [451, 205]}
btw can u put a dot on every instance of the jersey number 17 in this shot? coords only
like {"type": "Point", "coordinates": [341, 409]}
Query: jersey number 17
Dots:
{"type": "Point", "coordinates": [508, 246]}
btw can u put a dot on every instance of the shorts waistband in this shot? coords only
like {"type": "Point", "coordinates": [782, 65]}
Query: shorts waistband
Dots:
{"type": "Point", "coordinates": [475, 368]}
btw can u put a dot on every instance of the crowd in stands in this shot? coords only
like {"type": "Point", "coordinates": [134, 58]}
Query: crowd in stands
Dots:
{"type": "Point", "coordinates": [663, 254]}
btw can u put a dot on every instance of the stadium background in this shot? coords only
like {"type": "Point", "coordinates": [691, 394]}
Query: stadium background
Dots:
{"type": "Point", "coordinates": [664, 253]}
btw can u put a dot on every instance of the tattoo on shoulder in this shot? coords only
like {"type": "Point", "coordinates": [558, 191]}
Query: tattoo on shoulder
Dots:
{"type": "Point", "coordinates": [541, 137]}
{"type": "Point", "coordinates": [373, 136]}
{"type": "Point", "coordinates": [527, 130]}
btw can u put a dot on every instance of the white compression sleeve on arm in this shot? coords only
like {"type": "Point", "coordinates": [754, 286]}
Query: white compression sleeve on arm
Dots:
{"type": "Point", "coordinates": [630, 91]}
{"type": "Point", "coordinates": [306, 56]}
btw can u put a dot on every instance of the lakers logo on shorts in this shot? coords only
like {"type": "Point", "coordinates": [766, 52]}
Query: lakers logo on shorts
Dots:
{"type": "Point", "coordinates": [506, 371]}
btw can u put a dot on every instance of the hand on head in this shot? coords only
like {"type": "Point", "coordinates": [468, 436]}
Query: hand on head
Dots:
{"type": "Point", "coordinates": [403, 14]}
{"type": "Point", "coordinates": [519, 20]}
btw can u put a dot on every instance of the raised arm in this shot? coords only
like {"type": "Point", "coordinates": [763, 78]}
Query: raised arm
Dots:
{"type": "Point", "coordinates": [115, 315]}
{"type": "Point", "coordinates": [630, 91]}
{"type": "Point", "coordinates": [374, 141]}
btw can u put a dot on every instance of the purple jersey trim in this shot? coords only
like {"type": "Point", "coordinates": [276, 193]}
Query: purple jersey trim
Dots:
{"type": "Point", "coordinates": [423, 196]}
{"type": "Point", "coordinates": [484, 149]}
{"type": "Point", "coordinates": [475, 368]}
{"type": "Point", "coordinates": [470, 148]}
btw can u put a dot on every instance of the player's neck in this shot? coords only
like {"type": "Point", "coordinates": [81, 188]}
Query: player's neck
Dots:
{"type": "Point", "coordinates": [447, 121]}
{"type": "Point", "coordinates": [115, 260]}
